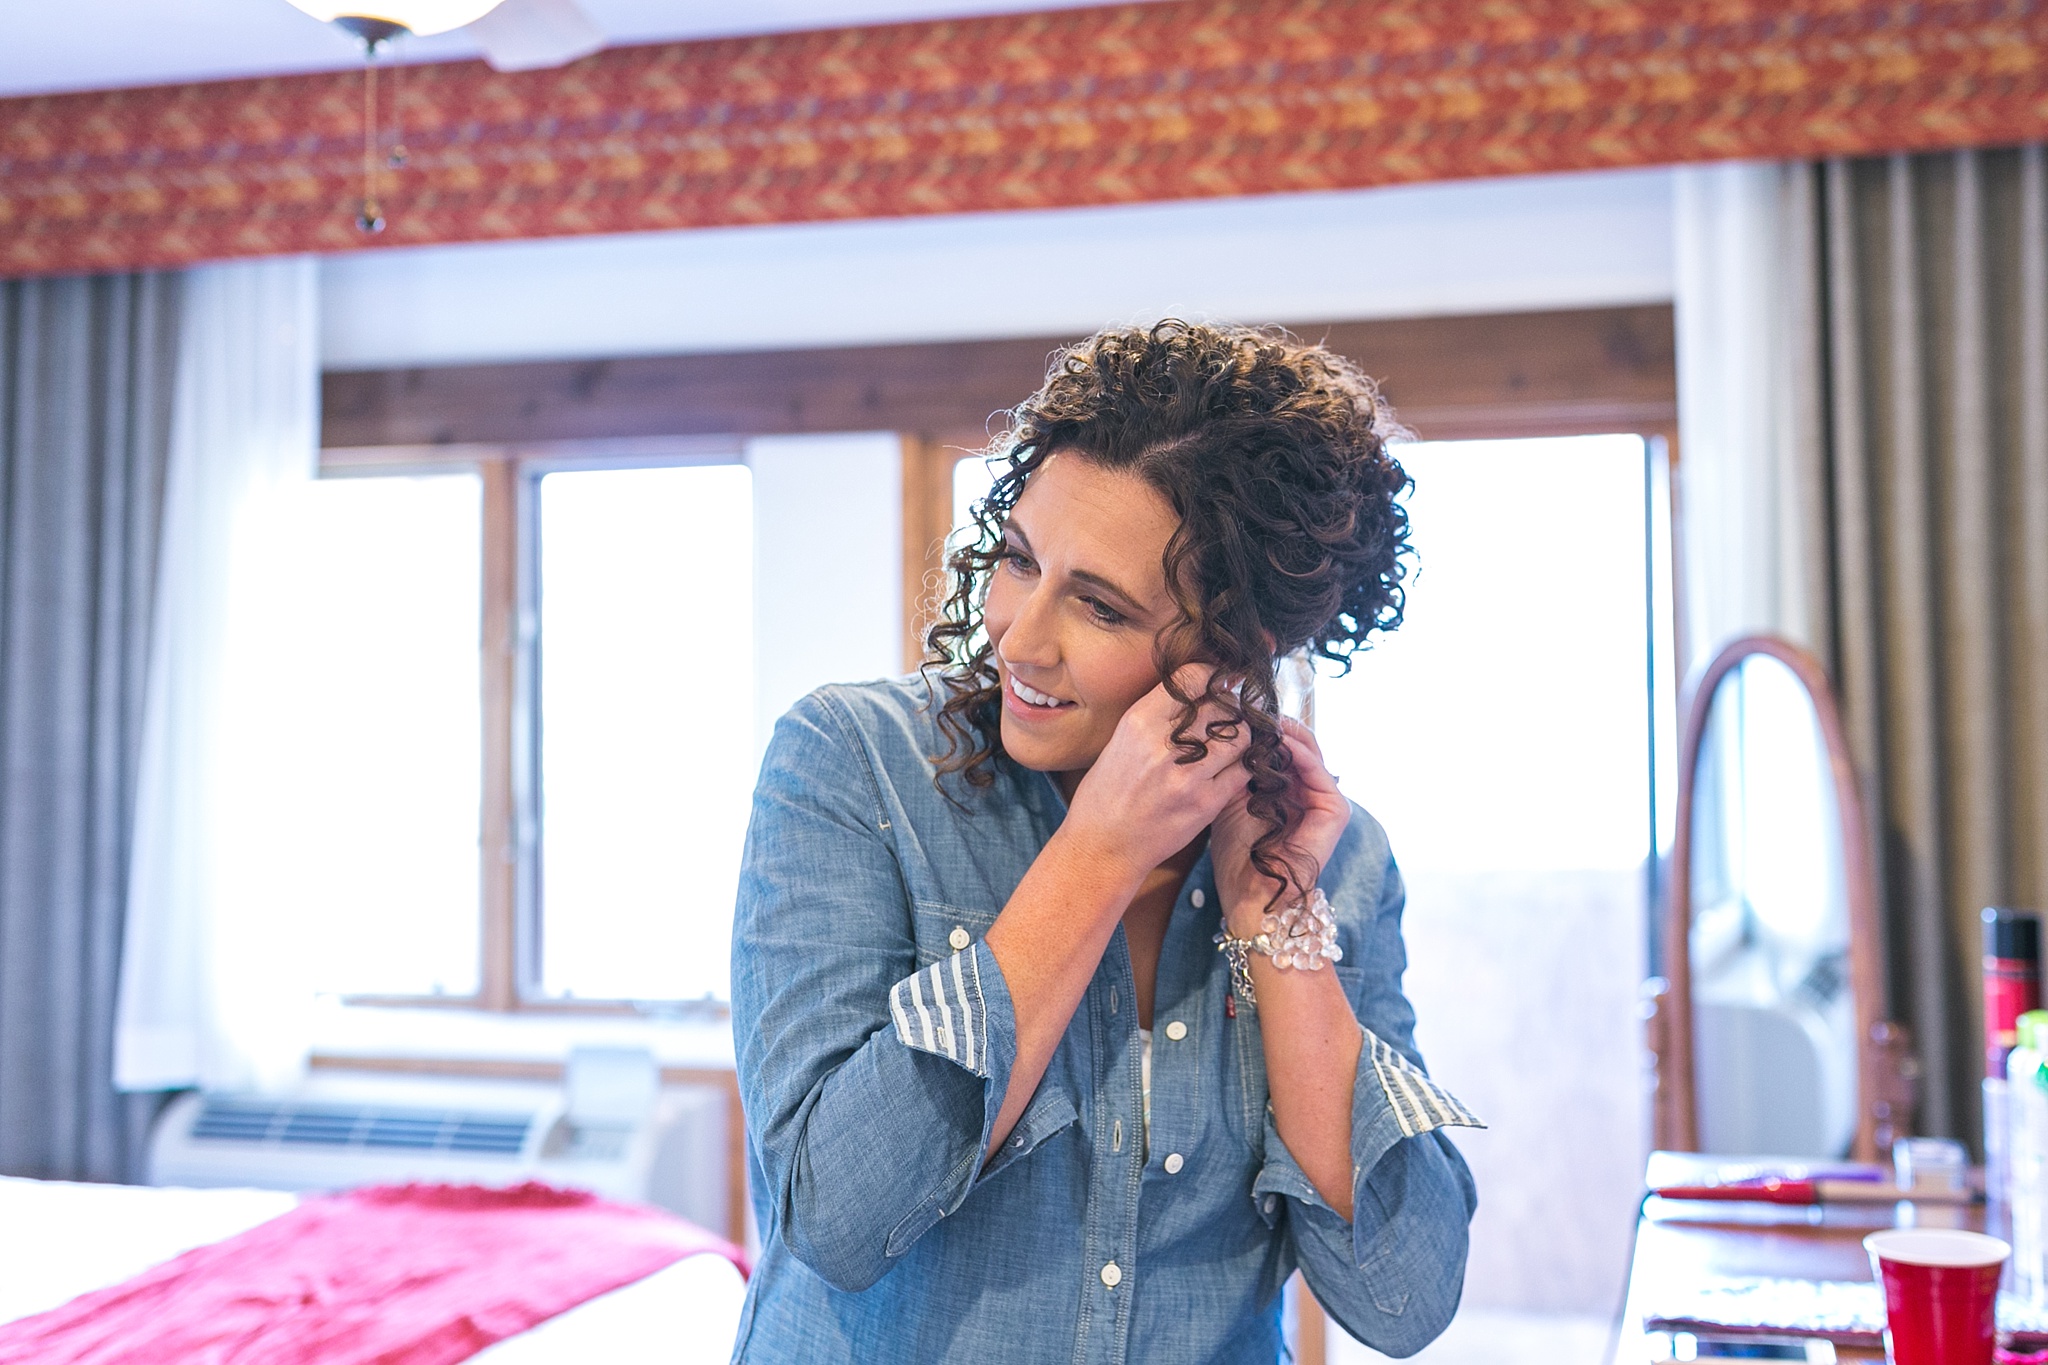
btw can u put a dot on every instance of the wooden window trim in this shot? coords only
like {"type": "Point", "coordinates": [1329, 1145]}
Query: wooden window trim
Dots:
{"type": "Point", "coordinates": [1551, 373]}
{"type": "Point", "coordinates": [927, 521]}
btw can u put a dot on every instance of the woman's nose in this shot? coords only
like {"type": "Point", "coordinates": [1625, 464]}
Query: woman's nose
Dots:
{"type": "Point", "coordinates": [1031, 639]}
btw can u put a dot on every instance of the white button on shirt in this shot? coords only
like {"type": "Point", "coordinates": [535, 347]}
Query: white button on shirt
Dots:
{"type": "Point", "coordinates": [958, 938]}
{"type": "Point", "coordinates": [1196, 898]}
{"type": "Point", "coordinates": [1174, 1163]}
{"type": "Point", "coordinates": [1176, 1030]}
{"type": "Point", "coordinates": [1112, 1275]}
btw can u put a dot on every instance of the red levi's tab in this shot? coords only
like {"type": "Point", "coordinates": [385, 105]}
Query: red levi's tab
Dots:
{"type": "Point", "coordinates": [395, 1275]}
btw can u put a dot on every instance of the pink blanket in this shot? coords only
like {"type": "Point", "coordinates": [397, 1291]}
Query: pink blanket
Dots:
{"type": "Point", "coordinates": [402, 1275]}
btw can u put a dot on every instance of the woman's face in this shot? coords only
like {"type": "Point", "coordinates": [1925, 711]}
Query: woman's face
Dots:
{"type": "Point", "coordinates": [1074, 608]}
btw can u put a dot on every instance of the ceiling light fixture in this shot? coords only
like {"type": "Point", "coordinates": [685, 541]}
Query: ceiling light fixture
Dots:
{"type": "Point", "coordinates": [387, 18]}
{"type": "Point", "coordinates": [374, 25]}
{"type": "Point", "coordinates": [516, 35]}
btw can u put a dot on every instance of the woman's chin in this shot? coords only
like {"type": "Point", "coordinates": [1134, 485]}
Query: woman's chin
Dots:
{"type": "Point", "coordinates": [1028, 746]}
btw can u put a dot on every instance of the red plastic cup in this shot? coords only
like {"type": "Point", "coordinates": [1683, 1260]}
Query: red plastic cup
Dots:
{"type": "Point", "coordinates": [1940, 1294]}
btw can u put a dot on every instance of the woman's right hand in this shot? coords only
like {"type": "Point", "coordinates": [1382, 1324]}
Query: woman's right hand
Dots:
{"type": "Point", "coordinates": [1138, 805]}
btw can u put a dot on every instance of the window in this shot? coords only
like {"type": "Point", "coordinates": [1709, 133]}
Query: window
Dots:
{"type": "Point", "coordinates": [1505, 725]}
{"type": "Point", "coordinates": [562, 894]}
{"type": "Point", "coordinates": [1523, 714]}
{"type": "Point", "coordinates": [575, 659]}
{"type": "Point", "coordinates": [1502, 737]}
{"type": "Point", "coordinates": [973, 476]}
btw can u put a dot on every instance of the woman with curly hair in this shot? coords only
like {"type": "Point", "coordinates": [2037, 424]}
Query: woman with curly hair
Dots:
{"type": "Point", "coordinates": [1066, 983]}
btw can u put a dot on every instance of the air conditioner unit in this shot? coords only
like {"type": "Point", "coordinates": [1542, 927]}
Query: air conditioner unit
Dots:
{"type": "Point", "coordinates": [610, 1127]}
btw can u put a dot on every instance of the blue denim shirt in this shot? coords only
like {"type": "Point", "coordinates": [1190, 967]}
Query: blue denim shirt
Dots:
{"type": "Point", "coordinates": [875, 1038]}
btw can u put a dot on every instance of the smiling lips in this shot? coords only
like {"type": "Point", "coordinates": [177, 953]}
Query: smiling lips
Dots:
{"type": "Point", "coordinates": [1033, 700]}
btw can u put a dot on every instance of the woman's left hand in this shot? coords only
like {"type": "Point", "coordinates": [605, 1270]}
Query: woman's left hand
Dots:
{"type": "Point", "coordinates": [1325, 813]}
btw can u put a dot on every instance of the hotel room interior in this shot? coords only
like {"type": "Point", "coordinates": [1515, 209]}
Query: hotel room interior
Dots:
{"type": "Point", "coordinates": [389, 419]}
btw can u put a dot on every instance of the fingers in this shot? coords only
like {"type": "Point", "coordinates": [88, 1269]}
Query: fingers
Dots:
{"type": "Point", "coordinates": [1308, 763]}
{"type": "Point", "coordinates": [1193, 679]}
{"type": "Point", "coordinates": [1294, 729]}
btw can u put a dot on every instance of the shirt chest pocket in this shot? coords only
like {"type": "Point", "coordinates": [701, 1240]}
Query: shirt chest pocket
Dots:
{"type": "Point", "coordinates": [943, 930]}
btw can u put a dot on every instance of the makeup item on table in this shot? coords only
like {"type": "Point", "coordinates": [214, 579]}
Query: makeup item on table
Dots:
{"type": "Point", "coordinates": [1857, 1189]}
{"type": "Point", "coordinates": [2012, 979]}
{"type": "Point", "coordinates": [1847, 1313]}
{"type": "Point", "coordinates": [1929, 1163]}
{"type": "Point", "coordinates": [2026, 1153]}
{"type": "Point", "coordinates": [1702, 1345]}
{"type": "Point", "coordinates": [2012, 986]}
{"type": "Point", "coordinates": [1940, 1294]}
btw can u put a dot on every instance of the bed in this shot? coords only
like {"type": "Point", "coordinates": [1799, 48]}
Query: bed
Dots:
{"type": "Point", "coordinates": [63, 1240]}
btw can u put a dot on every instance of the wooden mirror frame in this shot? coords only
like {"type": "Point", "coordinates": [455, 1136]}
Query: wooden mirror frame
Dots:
{"type": "Point", "coordinates": [1885, 1068]}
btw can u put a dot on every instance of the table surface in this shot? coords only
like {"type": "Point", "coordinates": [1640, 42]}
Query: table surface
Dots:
{"type": "Point", "coordinates": [1685, 1242]}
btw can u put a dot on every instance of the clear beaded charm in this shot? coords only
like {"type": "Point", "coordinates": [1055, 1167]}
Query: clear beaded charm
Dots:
{"type": "Point", "coordinates": [1297, 937]}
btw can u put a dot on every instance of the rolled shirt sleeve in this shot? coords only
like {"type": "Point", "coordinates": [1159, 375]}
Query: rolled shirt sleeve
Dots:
{"type": "Point", "coordinates": [1392, 1276]}
{"type": "Point", "coordinates": [871, 1085]}
{"type": "Point", "coordinates": [944, 1010]}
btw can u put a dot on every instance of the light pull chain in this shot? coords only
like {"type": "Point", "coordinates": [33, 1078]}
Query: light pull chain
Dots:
{"type": "Point", "coordinates": [371, 219]}
{"type": "Point", "coordinates": [396, 159]}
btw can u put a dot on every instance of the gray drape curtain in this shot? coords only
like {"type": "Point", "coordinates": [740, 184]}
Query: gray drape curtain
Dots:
{"type": "Point", "coordinates": [86, 373]}
{"type": "Point", "coordinates": [1920, 289]}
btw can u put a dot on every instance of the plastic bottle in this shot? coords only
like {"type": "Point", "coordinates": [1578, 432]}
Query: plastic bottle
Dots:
{"type": "Point", "coordinates": [2026, 1071]}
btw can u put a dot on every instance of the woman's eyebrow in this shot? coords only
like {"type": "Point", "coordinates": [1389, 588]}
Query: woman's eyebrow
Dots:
{"type": "Point", "coordinates": [1109, 586]}
{"type": "Point", "coordinates": [1014, 532]}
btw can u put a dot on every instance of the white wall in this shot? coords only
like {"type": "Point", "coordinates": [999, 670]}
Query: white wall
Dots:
{"type": "Point", "coordinates": [1463, 247]}
{"type": "Point", "coordinates": [828, 565]}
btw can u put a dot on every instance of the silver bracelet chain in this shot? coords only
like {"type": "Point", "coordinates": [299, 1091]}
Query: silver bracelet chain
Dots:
{"type": "Point", "coordinates": [1301, 936]}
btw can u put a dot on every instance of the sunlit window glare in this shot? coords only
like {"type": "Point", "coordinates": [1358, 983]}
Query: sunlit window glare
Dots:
{"type": "Point", "coordinates": [379, 659]}
{"type": "Point", "coordinates": [647, 726]}
{"type": "Point", "coordinates": [1503, 726]}
{"type": "Point", "coordinates": [972, 478]}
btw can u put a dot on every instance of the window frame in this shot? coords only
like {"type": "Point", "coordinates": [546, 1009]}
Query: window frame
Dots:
{"type": "Point", "coordinates": [508, 681]}
{"type": "Point", "coordinates": [1491, 376]}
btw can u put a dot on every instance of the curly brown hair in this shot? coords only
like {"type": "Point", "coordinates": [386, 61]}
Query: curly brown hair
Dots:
{"type": "Point", "coordinates": [1273, 453]}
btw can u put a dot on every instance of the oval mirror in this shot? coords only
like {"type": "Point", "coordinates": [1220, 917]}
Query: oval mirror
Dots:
{"type": "Point", "coordinates": [1776, 1038]}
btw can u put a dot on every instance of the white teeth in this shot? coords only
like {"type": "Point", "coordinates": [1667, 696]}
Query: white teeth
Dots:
{"type": "Point", "coordinates": [1036, 698]}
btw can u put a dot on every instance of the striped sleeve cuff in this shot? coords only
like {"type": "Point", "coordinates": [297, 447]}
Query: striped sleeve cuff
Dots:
{"type": "Point", "coordinates": [942, 1009]}
{"type": "Point", "coordinates": [1391, 1100]}
{"type": "Point", "coordinates": [1419, 1104]}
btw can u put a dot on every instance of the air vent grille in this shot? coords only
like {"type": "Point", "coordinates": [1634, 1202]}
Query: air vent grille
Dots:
{"type": "Point", "coordinates": [369, 1127]}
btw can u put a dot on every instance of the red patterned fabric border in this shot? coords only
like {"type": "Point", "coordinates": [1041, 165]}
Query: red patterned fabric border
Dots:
{"type": "Point", "coordinates": [1177, 100]}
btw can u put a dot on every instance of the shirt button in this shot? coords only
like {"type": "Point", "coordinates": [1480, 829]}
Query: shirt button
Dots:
{"type": "Point", "coordinates": [1176, 1030]}
{"type": "Point", "coordinates": [1269, 1203]}
{"type": "Point", "coordinates": [1196, 898]}
{"type": "Point", "coordinates": [958, 938]}
{"type": "Point", "coordinates": [1112, 1275]}
{"type": "Point", "coordinates": [1174, 1163]}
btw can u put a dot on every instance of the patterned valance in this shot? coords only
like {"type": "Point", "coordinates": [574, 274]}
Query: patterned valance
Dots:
{"type": "Point", "coordinates": [1126, 103]}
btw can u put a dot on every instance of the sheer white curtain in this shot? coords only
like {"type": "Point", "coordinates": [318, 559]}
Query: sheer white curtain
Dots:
{"type": "Point", "coordinates": [1745, 402]}
{"type": "Point", "coordinates": [211, 980]}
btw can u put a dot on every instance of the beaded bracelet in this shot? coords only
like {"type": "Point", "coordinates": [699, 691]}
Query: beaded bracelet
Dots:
{"type": "Point", "coordinates": [1301, 936]}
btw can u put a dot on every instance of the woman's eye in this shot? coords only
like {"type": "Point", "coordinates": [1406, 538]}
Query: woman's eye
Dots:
{"type": "Point", "coordinates": [1019, 563]}
{"type": "Point", "coordinates": [1103, 612]}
